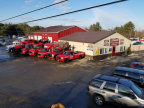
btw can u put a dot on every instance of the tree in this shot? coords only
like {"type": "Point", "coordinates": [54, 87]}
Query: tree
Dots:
{"type": "Point", "coordinates": [97, 27]}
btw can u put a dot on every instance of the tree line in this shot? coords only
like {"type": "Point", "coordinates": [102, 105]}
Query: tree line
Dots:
{"type": "Point", "coordinates": [17, 29]}
{"type": "Point", "coordinates": [127, 30]}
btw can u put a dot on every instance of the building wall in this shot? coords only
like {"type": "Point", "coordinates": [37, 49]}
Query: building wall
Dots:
{"type": "Point", "coordinates": [70, 31]}
{"type": "Point", "coordinates": [78, 46]}
{"type": "Point", "coordinates": [119, 48]}
{"type": "Point", "coordinates": [93, 49]}
{"type": "Point", "coordinates": [137, 47]}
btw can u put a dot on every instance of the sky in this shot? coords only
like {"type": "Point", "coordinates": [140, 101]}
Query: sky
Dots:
{"type": "Point", "coordinates": [108, 16]}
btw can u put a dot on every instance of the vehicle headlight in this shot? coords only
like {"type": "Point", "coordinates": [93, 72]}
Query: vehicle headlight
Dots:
{"type": "Point", "coordinates": [62, 58]}
{"type": "Point", "coordinates": [52, 55]}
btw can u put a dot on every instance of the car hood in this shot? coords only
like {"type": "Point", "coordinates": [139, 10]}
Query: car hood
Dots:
{"type": "Point", "coordinates": [25, 49]}
{"type": "Point", "coordinates": [33, 50]}
{"type": "Point", "coordinates": [62, 56]}
{"type": "Point", "coordinates": [10, 45]}
{"type": "Point", "coordinates": [42, 52]}
{"type": "Point", "coordinates": [53, 53]}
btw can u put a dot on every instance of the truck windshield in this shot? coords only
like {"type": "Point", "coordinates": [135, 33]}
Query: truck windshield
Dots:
{"type": "Point", "coordinates": [65, 53]}
{"type": "Point", "coordinates": [27, 46]}
{"type": "Point", "coordinates": [56, 51]}
{"type": "Point", "coordinates": [34, 47]}
{"type": "Point", "coordinates": [136, 89]}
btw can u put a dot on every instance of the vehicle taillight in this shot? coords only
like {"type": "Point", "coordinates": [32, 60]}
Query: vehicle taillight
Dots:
{"type": "Point", "coordinates": [87, 88]}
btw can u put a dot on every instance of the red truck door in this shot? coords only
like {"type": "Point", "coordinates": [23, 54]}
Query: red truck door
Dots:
{"type": "Point", "coordinates": [71, 56]}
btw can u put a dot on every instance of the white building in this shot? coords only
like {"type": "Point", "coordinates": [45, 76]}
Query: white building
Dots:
{"type": "Point", "coordinates": [98, 44]}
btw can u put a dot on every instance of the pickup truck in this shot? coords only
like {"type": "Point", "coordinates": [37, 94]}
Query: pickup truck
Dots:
{"type": "Point", "coordinates": [36, 48]}
{"type": "Point", "coordinates": [27, 41]}
{"type": "Point", "coordinates": [26, 49]}
{"type": "Point", "coordinates": [17, 48]}
{"type": "Point", "coordinates": [2, 42]}
{"type": "Point", "coordinates": [70, 55]}
{"type": "Point", "coordinates": [53, 55]}
{"type": "Point", "coordinates": [9, 47]}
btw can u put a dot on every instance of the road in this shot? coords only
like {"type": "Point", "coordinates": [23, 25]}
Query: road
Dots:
{"type": "Point", "coordinates": [31, 82]}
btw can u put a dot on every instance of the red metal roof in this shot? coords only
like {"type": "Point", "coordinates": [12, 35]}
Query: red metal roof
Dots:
{"type": "Point", "coordinates": [87, 37]}
{"type": "Point", "coordinates": [53, 29]}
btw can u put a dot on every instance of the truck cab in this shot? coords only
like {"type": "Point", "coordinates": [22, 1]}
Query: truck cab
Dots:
{"type": "Point", "coordinates": [43, 53]}
{"type": "Point", "coordinates": [17, 48]}
{"type": "Point", "coordinates": [53, 55]}
{"type": "Point", "coordinates": [36, 48]}
{"type": "Point", "coordinates": [27, 41]}
{"type": "Point", "coordinates": [26, 49]}
{"type": "Point", "coordinates": [70, 55]}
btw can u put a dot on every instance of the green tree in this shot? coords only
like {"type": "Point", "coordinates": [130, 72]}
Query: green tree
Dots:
{"type": "Point", "coordinates": [97, 27]}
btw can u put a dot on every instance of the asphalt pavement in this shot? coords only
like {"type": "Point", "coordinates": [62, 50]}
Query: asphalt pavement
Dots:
{"type": "Point", "coordinates": [32, 82]}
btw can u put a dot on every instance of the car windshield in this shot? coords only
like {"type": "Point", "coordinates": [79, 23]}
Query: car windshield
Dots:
{"type": "Point", "coordinates": [26, 40]}
{"type": "Point", "coordinates": [136, 89]}
{"type": "Point", "coordinates": [34, 47]}
{"type": "Point", "coordinates": [27, 46]}
{"type": "Point", "coordinates": [65, 53]}
{"type": "Point", "coordinates": [56, 51]}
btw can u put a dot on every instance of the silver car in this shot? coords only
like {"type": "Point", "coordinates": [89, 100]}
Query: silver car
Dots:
{"type": "Point", "coordinates": [117, 90]}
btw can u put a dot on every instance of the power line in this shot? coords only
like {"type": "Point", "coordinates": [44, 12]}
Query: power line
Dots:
{"type": "Point", "coordinates": [76, 11]}
{"type": "Point", "coordinates": [35, 10]}
{"type": "Point", "coordinates": [7, 3]}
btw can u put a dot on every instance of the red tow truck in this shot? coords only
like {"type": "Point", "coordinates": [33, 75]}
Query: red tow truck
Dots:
{"type": "Point", "coordinates": [51, 48]}
{"type": "Point", "coordinates": [70, 55]}
{"type": "Point", "coordinates": [36, 48]}
{"type": "Point", "coordinates": [26, 49]}
{"type": "Point", "coordinates": [27, 41]}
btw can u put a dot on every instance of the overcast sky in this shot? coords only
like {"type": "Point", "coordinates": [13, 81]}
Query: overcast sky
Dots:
{"type": "Point", "coordinates": [108, 16]}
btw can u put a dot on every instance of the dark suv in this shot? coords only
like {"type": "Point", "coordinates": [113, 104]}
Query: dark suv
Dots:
{"type": "Point", "coordinates": [117, 90]}
{"type": "Point", "coordinates": [135, 75]}
{"type": "Point", "coordinates": [138, 65]}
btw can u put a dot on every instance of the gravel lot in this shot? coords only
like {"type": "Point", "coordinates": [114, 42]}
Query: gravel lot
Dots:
{"type": "Point", "coordinates": [31, 82]}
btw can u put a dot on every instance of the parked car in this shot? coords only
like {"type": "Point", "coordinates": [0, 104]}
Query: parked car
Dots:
{"type": "Point", "coordinates": [2, 42]}
{"type": "Point", "coordinates": [9, 36]}
{"type": "Point", "coordinates": [36, 48]}
{"type": "Point", "coordinates": [117, 90]}
{"type": "Point", "coordinates": [137, 43]}
{"type": "Point", "coordinates": [138, 65]}
{"type": "Point", "coordinates": [135, 75]}
{"type": "Point", "coordinates": [70, 55]}
{"type": "Point", "coordinates": [9, 47]}
{"type": "Point", "coordinates": [26, 49]}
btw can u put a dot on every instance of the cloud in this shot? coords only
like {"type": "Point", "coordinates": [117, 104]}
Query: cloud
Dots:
{"type": "Point", "coordinates": [109, 19]}
{"type": "Point", "coordinates": [63, 6]}
{"type": "Point", "coordinates": [39, 4]}
{"type": "Point", "coordinates": [26, 18]}
{"type": "Point", "coordinates": [28, 1]}
{"type": "Point", "coordinates": [68, 19]}
{"type": "Point", "coordinates": [24, 7]}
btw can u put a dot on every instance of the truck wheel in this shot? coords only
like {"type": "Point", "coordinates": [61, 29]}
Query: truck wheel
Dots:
{"type": "Point", "coordinates": [99, 100]}
{"type": "Point", "coordinates": [35, 54]}
{"type": "Point", "coordinates": [12, 50]}
{"type": "Point", "coordinates": [80, 57]}
{"type": "Point", "coordinates": [27, 53]}
{"type": "Point", "coordinates": [45, 56]}
{"type": "Point", "coordinates": [55, 57]}
{"type": "Point", "coordinates": [18, 51]}
{"type": "Point", "coordinates": [66, 60]}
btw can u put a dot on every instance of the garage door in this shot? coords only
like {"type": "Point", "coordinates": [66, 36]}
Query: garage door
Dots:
{"type": "Point", "coordinates": [35, 37]}
{"type": "Point", "coordinates": [39, 37]}
{"type": "Point", "coordinates": [50, 38]}
{"type": "Point", "coordinates": [31, 37]}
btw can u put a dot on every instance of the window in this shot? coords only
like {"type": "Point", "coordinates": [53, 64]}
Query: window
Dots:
{"type": "Point", "coordinates": [125, 91]}
{"type": "Point", "coordinates": [102, 51]}
{"type": "Point", "coordinates": [30, 40]}
{"type": "Point", "coordinates": [71, 53]}
{"type": "Point", "coordinates": [61, 51]}
{"type": "Point", "coordinates": [119, 72]}
{"type": "Point", "coordinates": [96, 83]}
{"type": "Point", "coordinates": [110, 87]}
{"type": "Point", "coordinates": [105, 50]}
{"type": "Point", "coordinates": [138, 67]}
{"type": "Point", "coordinates": [134, 76]}
{"type": "Point", "coordinates": [39, 47]}
{"type": "Point", "coordinates": [122, 48]}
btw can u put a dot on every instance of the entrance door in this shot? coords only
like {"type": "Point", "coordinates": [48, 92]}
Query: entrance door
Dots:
{"type": "Point", "coordinates": [50, 38]}
{"type": "Point", "coordinates": [113, 51]}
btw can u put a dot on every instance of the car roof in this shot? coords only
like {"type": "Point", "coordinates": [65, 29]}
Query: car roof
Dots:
{"type": "Point", "coordinates": [38, 44]}
{"type": "Point", "coordinates": [130, 70]}
{"type": "Point", "coordinates": [138, 63]}
{"type": "Point", "coordinates": [114, 79]}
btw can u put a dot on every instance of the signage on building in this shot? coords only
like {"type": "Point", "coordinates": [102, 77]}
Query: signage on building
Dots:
{"type": "Point", "coordinates": [114, 42]}
{"type": "Point", "coordinates": [106, 42]}
{"type": "Point", "coordinates": [121, 41]}
{"type": "Point", "coordinates": [90, 47]}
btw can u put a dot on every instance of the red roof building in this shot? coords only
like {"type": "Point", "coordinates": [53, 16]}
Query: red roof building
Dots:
{"type": "Point", "coordinates": [53, 33]}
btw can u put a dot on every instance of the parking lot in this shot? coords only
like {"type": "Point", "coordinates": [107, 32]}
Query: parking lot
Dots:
{"type": "Point", "coordinates": [32, 82]}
